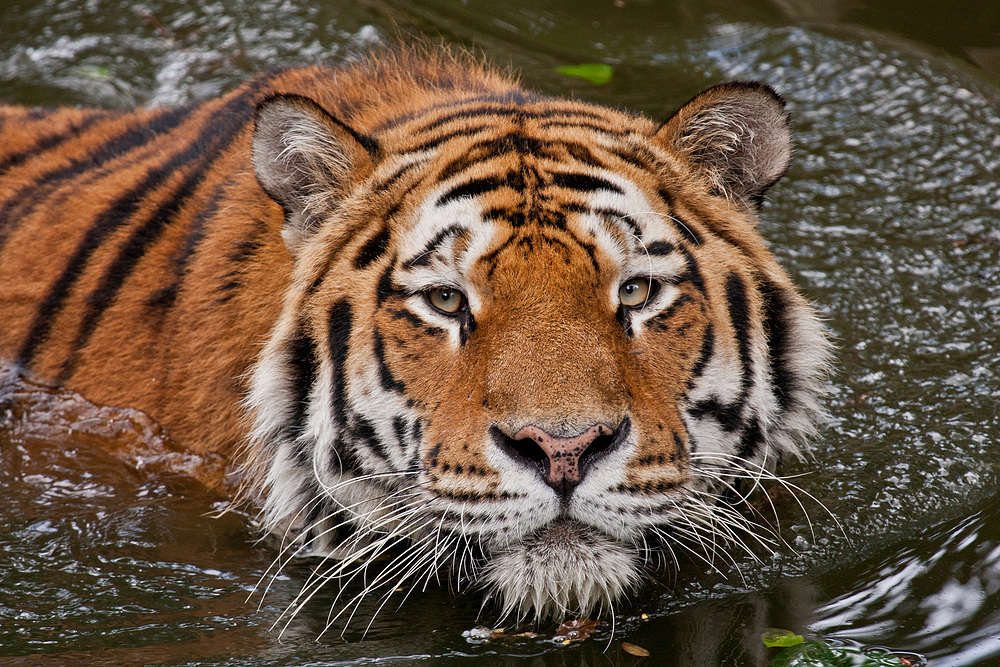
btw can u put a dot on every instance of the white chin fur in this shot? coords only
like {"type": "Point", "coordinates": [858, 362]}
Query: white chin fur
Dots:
{"type": "Point", "coordinates": [565, 568]}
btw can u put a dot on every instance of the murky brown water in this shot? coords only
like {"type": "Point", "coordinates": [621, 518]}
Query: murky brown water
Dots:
{"type": "Point", "coordinates": [890, 218]}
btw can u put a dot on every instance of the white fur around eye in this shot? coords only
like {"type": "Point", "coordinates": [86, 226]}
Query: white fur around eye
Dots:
{"type": "Point", "coordinates": [660, 300]}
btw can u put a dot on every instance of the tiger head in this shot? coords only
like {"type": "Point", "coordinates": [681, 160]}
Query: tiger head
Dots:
{"type": "Point", "coordinates": [531, 342]}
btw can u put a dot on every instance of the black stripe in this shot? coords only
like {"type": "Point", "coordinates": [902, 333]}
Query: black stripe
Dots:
{"type": "Point", "coordinates": [363, 433]}
{"type": "Point", "coordinates": [615, 217]}
{"type": "Point", "coordinates": [388, 380]}
{"type": "Point", "coordinates": [423, 258]}
{"type": "Point", "coordinates": [396, 176]}
{"type": "Point", "coordinates": [689, 232]}
{"type": "Point", "coordinates": [118, 270]}
{"type": "Point", "coordinates": [116, 147]}
{"type": "Point", "coordinates": [51, 141]}
{"type": "Point", "coordinates": [384, 290]}
{"type": "Point", "coordinates": [399, 426]}
{"type": "Point", "coordinates": [373, 249]}
{"type": "Point", "coordinates": [505, 109]}
{"type": "Point", "coordinates": [332, 255]}
{"type": "Point", "coordinates": [323, 521]}
{"type": "Point", "coordinates": [490, 258]}
{"type": "Point", "coordinates": [339, 337]}
{"type": "Point", "coordinates": [739, 315]}
{"type": "Point", "coordinates": [692, 274]}
{"type": "Point", "coordinates": [583, 154]}
{"type": "Point", "coordinates": [704, 355]}
{"type": "Point", "coordinates": [728, 415]}
{"type": "Point", "coordinates": [409, 316]}
{"type": "Point", "coordinates": [473, 188]}
{"type": "Point", "coordinates": [466, 327]}
{"type": "Point", "coordinates": [776, 306]}
{"type": "Point", "coordinates": [514, 218]}
{"type": "Point", "coordinates": [315, 500]}
{"type": "Point", "coordinates": [624, 317]}
{"type": "Point", "coordinates": [519, 217]}
{"type": "Point", "coordinates": [637, 157]}
{"type": "Point", "coordinates": [417, 432]}
{"type": "Point", "coordinates": [588, 248]}
{"type": "Point", "coordinates": [572, 124]}
{"type": "Point", "coordinates": [559, 118]}
{"type": "Point", "coordinates": [583, 182]}
{"type": "Point", "coordinates": [660, 248]}
{"type": "Point", "coordinates": [443, 138]}
{"type": "Point", "coordinates": [165, 297]}
{"type": "Point", "coordinates": [218, 133]}
{"type": "Point", "coordinates": [468, 113]}
{"type": "Point", "coordinates": [242, 250]}
{"type": "Point", "coordinates": [489, 149]}
{"type": "Point", "coordinates": [415, 321]}
{"type": "Point", "coordinates": [302, 361]}
{"type": "Point", "coordinates": [750, 442]}
{"type": "Point", "coordinates": [661, 318]}
{"type": "Point", "coordinates": [432, 455]}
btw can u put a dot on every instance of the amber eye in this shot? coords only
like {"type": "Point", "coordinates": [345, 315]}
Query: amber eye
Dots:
{"type": "Point", "coordinates": [448, 301]}
{"type": "Point", "coordinates": [634, 293]}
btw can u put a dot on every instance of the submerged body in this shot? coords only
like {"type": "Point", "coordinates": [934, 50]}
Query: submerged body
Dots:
{"type": "Point", "coordinates": [524, 342]}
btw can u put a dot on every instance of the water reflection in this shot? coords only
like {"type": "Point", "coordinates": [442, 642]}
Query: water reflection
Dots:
{"type": "Point", "coordinates": [941, 594]}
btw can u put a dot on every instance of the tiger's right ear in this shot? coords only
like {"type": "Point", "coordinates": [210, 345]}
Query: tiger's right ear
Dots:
{"type": "Point", "coordinates": [307, 161]}
{"type": "Point", "coordinates": [737, 134]}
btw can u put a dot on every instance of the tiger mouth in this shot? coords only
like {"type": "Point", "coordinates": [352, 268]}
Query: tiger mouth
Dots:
{"type": "Point", "coordinates": [563, 568]}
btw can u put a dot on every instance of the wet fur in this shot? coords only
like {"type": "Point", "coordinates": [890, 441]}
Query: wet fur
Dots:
{"type": "Point", "coordinates": [249, 272]}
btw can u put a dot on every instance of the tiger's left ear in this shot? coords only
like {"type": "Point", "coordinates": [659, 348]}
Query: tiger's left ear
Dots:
{"type": "Point", "coordinates": [738, 135]}
{"type": "Point", "coordinates": [307, 161]}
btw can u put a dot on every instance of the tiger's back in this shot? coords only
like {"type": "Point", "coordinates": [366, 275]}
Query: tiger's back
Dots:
{"type": "Point", "coordinates": [535, 339]}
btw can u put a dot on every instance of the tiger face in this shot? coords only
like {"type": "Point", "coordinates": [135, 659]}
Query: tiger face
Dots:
{"type": "Point", "coordinates": [531, 343]}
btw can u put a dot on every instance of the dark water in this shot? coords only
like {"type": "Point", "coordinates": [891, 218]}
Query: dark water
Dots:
{"type": "Point", "coordinates": [890, 220]}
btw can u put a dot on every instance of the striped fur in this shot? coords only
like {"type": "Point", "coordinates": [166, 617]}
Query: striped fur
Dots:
{"type": "Point", "coordinates": [258, 274]}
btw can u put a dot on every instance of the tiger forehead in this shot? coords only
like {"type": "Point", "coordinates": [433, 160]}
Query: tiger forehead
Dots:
{"type": "Point", "coordinates": [556, 207]}
{"type": "Point", "coordinates": [449, 142]}
{"type": "Point", "coordinates": [522, 110]}
{"type": "Point", "coordinates": [472, 176]}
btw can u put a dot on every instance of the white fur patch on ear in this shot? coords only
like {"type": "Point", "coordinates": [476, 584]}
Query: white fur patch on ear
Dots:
{"type": "Point", "coordinates": [738, 134]}
{"type": "Point", "coordinates": [306, 160]}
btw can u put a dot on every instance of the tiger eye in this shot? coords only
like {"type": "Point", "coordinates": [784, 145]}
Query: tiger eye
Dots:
{"type": "Point", "coordinates": [634, 292]}
{"type": "Point", "coordinates": [448, 301]}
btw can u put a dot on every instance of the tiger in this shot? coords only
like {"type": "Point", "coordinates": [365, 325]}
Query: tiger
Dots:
{"type": "Point", "coordinates": [438, 326]}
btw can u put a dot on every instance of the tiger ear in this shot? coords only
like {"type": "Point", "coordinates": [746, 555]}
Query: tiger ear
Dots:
{"type": "Point", "coordinates": [738, 134]}
{"type": "Point", "coordinates": [306, 160]}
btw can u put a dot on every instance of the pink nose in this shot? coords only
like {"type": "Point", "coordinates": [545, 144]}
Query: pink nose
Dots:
{"type": "Point", "coordinates": [563, 453]}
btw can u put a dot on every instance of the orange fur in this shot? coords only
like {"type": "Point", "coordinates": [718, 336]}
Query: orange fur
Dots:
{"type": "Point", "coordinates": [258, 274]}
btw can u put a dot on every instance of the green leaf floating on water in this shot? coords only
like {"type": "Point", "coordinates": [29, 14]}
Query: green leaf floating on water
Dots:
{"type": "Point", "coordinates": [778, 638]}
{"type": "Point", "coordinates": [598, 73]}
{"type": "Point", "coordinates": [96, 73]}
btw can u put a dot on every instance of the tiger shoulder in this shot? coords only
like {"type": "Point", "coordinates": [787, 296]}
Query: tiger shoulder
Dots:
{"type": "Point", "coordinates": [535, 342]}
